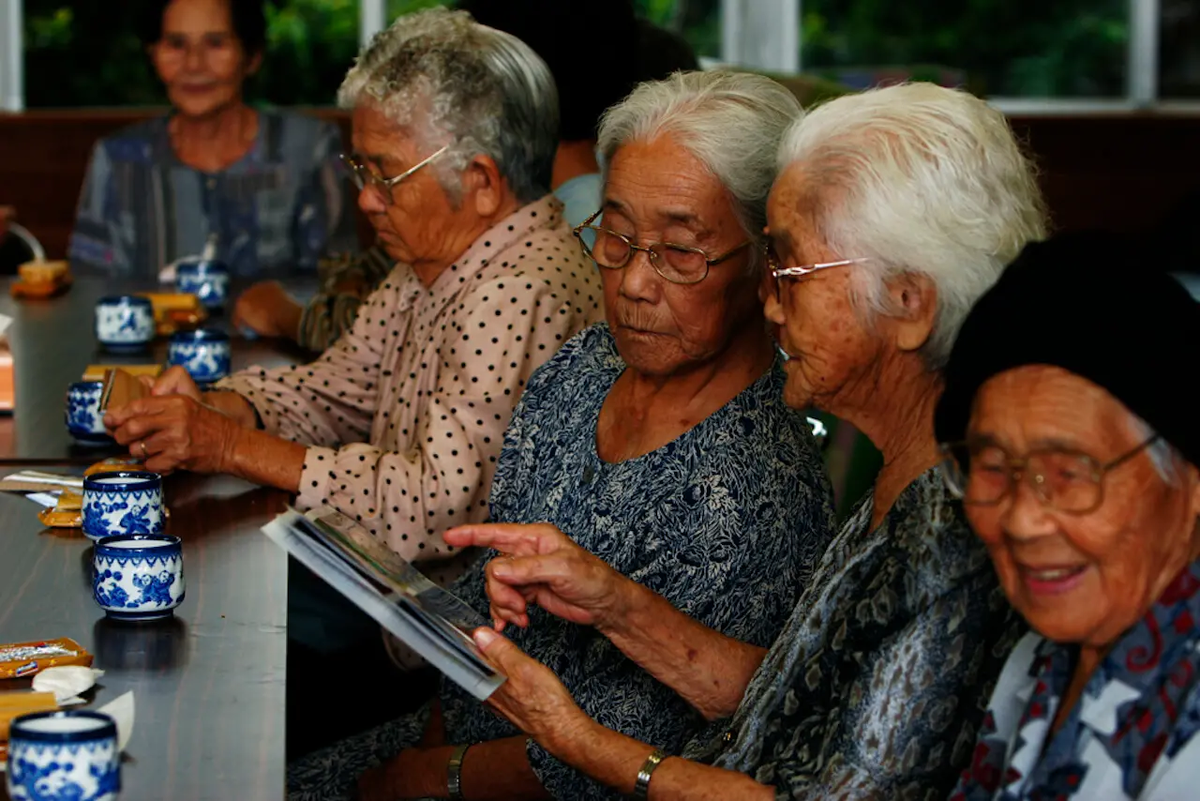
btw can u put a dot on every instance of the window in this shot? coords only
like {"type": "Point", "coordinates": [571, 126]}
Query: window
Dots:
{"type": "Point", "coordinates": [1179, 53]}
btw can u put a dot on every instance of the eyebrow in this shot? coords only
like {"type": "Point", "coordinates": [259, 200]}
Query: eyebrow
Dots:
{"type": "Point", "coordinates": [1039, 444]}
{"type": "Point", "coordinates": [675, 216]}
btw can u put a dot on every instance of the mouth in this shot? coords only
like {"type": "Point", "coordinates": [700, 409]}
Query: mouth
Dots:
{"type": "Point", "coordinates": [1051, 579]}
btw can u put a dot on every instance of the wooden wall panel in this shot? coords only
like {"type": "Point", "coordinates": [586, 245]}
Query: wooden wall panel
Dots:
{"type": "Point", "coordinates": [1119, 171]}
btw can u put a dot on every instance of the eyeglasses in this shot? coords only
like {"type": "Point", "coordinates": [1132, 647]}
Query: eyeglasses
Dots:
{"type": "Point", "coordinates": [1068, 481]}
{"type": "Point", "coordinates": [678, 264]}
{"type": "Point", "coordinates": [776, 270]}
{"type": "Point", "coordinates": [366, 178]}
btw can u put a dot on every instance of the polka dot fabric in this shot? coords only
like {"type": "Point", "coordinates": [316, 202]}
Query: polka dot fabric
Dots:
{"type": "Point", "coordinates": [405, 414]}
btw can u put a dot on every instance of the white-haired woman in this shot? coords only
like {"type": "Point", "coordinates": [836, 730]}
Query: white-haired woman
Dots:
{"type": "Point", "coordinates": [893, 211]}
{"type": "Point", "coordinates": [658, 441]}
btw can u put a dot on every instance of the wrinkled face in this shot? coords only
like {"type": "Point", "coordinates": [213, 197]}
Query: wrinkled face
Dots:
{"type": "Point", "coordinates": [199, 57]}
{"type": "Point", "coordinates": [1080, 578]}
{"type": "Point", "coordinates": [658, 192]}
{"type": "Point", "coordinates": [421, 226]}
{"type": "Point", "coordinates": [832, 354]}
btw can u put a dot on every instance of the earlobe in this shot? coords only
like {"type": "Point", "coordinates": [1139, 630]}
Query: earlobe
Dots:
{"type": "Point", "coordinates": [915, 301]}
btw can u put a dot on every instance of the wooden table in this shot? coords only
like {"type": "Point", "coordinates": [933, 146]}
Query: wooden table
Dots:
{"type": "Point", "coordinates": [53, 341]}
{"type": "Point", "coordinates": [209, 683]}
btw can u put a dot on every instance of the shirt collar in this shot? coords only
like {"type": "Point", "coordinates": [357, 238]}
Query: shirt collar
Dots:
{"type": "Point", "coordinates": [536, 216]}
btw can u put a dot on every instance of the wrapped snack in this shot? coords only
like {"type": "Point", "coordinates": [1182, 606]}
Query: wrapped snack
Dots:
{"type": "Point", "coordinates": [26, 658]}
{"type": "Point", "coordinates": [113, 464]}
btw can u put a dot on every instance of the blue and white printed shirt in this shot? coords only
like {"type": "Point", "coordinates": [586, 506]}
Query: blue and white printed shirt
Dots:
{"type": "Point", "coordinates": [274, 212]}
{"type": "Point", "coordinates": [1131, 734]}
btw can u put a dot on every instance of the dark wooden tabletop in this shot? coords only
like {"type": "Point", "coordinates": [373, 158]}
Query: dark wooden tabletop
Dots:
{"type": "Point", "coordinates": [208, 683]}
{"type": "Point", "coordinates": [53, 341]}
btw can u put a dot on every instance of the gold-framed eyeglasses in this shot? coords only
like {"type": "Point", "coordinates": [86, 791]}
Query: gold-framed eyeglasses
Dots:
{"type": "Point", "coordinates": [679, 264]}
{"type": "Point", "coordinates": [365, 177]}
{"type": "Point", "coordinates": [983, 474]}
{"type": "Point", "coordinates": [776, 270]}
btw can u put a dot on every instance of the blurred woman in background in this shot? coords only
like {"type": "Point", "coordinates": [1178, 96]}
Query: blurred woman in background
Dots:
{"type": "Point", "coordinates": [264, 185]}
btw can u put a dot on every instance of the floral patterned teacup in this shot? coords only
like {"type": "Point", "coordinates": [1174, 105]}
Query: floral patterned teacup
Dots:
{"type": "Point", "coordinates": [66, 754]}
{"type": "Point", "coordinates": [138, 576]}
{"type": "Point", "coordinates": [84, 421]}
{"type": "Point", "coordinates": [122, 502]}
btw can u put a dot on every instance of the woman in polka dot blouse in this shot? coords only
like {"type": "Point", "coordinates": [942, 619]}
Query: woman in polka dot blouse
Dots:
{"type": "Point", "coordinates": [658, 441]}
{"type": "Point", "coordinates": [399, 424]}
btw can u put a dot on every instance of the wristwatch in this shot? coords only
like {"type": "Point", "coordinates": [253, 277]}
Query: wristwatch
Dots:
{"type": "Point", "coordinates": [454, 773]}
{"type": "Point", "coordinates": [641, 787]}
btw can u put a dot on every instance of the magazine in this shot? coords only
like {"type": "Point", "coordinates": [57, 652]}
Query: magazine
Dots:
{"type": "Point", "coordinates": [433, 622]}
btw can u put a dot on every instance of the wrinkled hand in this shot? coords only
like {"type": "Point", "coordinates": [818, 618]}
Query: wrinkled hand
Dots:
{"type": "Point", "coordinates": [543, 566]}
{"type": "Point", "coordinates": [174, 432]}
{"type": "Point", "coordinates": [532, 699]}
{"type": "Point", "coordinates": [174, 381]}
{"type": "Point", "coordinates": [269, 310]}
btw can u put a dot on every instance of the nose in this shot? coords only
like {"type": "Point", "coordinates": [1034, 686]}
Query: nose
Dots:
{"type": "Point", "coordinates": [1025, 516]}
{"type": "Point", "coordinates": [639, 280]}
{"type": "Point", "coordinates": [195, 57]}
{"type": "Point", "coordinates": [370, 202]}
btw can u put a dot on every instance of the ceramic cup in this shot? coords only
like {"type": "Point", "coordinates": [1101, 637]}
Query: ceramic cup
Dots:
{"type": "Point", "coordinates": [138, 576]}
{"type": "Point", "coordinates": [65, 754]}
{"type": "Point", "coordinates": [122, 502]}
{"type": "Point", "coordinates": [125, 323]}
{"type": "Point", "coordinates": [204, 354]}
{"type": "Point", "coordinates": [207, 280]}
{"type": "Point", "coordinates": [84, 421]}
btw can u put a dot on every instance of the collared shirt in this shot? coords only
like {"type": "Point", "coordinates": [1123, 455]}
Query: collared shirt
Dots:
{"type": "Point", "coordinates": [348, 280]}
{"type": "Point", "coordinates": [405, 415]}
{"type": "Point", "coordinates": [272, 212]}
{"type": "Point", "coordinates": [1131, 735]}
{"type": "Point", "coordinates": [880, 678]}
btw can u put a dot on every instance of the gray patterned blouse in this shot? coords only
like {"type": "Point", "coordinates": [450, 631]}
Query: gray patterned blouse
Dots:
{"type": "Point", "coordinates": [274, 212]}
{"type": "Point", "coordinates": [878, 682]}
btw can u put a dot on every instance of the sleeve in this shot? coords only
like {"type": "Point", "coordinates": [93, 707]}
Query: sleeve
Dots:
{"type": "Point", "coordinates": [333, 310]}
{"type": "Point", "coordinates": [924, 689]}
{"type": "Point", "coordinates": [325, 208]}
{"type": "Point", "coordinates": [731, 552]}
{"type": "Point", "coordinates": [97, 239]}
{"type": "Point", "coordinates": [407, 499]}
{"type": "Point", "coordinates": [332, 400]}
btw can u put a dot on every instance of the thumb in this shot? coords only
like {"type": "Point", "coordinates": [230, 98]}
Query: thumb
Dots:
{"type": "Point", "coordinates": [500, 651]}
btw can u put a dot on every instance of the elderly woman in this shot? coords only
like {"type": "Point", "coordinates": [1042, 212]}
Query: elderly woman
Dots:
{"type": "Point", "coordinates": [264, 184]}
{"type": "Point", "coordinates": [1076, 455]}
{"type": "Point", "coordinates": [658, 441]}
{"type": "Point", "coordinates": [894, 210]}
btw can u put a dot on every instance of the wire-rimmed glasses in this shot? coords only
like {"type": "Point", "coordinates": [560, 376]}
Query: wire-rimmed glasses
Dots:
{"type": "Point", "coordinates": [776, 270]}
{"type": "Point", "coordinates": [365, 178]}
{"type": "Point", "coordinates": [983, 474]}
{"type": "Point", "coordinates": [679, 264]}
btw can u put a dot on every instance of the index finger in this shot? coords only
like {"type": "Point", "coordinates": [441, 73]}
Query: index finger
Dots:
{"type": "Point", "coordinates": [142, 407]}
{"type": "Point", "coordinates": [515, 539]}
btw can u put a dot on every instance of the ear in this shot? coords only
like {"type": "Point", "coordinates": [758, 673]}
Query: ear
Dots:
{"type": "Point", "coordinates": [254, 64]}
{"type": "Point", "coordinates": [483, 186]}
{"type": "Point", "coordinates": [914, 303]}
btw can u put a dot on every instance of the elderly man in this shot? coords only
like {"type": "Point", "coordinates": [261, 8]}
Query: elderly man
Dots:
{"type": "Point", "coordinates": [1072, 430]}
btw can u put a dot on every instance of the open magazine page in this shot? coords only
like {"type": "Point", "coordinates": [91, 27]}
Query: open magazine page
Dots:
{"type": "Point", "coordinates": [434, 623]}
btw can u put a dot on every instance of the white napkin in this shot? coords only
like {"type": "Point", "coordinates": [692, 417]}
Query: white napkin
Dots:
{"type": "Point", "coordinates": [5, 322]}
{"type": "Point", "coordinates": [67, 682]}
{"type": "Point", "coordinates": [121, 710]}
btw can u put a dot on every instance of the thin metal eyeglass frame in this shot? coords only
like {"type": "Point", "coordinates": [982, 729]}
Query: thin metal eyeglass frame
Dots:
{"type": "Point", "coordinates": [362, 176]}
{"type": "Point", "coordinates": [649, 251]}
{"type": "Point", "coordinates": [1017, 473]}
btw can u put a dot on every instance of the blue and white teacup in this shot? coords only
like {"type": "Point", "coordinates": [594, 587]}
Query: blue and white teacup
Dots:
{"type": "Point", "coordinates": [204, 354]}
{"type": "Point", "coordinates": [138, 576]}
{"type": "Point", "coordinates": [122, 502]}
{"type": "Point", "coordinates": [125, 323]}
{"type": "Point", "coordinates": [84, 420]}
{"type": "Point", "coordinates": [207, 280]}
{"type": "Point", "coordinates": [64, 754]}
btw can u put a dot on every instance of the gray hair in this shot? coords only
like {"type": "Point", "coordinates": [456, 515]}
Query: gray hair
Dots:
{"type": "Point", "coordinates": [923, 180]}
{"type": "Point", "coordinates": [731, 122]}
{"type": "Point", "coordinates": [485, 91]}
{"type": "Point", "coordinates": [1162, 454]}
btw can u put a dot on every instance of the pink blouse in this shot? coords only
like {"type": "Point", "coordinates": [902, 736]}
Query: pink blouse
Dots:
{"type": "Point", "coordinates": [405, 414]}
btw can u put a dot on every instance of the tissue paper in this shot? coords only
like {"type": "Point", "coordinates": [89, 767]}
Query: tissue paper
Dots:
{"type": "Point", "coordinates": [121, 711]}
{"type": "Point", "coordinates": [67, 682]}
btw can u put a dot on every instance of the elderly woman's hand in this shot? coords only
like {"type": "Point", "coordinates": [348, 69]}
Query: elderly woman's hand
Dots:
{"type": "Point", "coordinates": [267, 309]}
{"type": "Point", "coordinates": [532, 699]}
{"type": "Point", "coordinates": [543, 566]}
{"type": "Point", "coordinates": [172, 432]}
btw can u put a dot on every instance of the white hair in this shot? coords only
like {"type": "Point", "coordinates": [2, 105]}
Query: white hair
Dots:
{"type": "Point", "coordinates": [1162, 454]}
{"type": "Point", "coordinates": [919, 179]}
{"type": "Point", "coordinates": [484, 91]}
{"type": "Point", "coordinates": [731, 122]}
